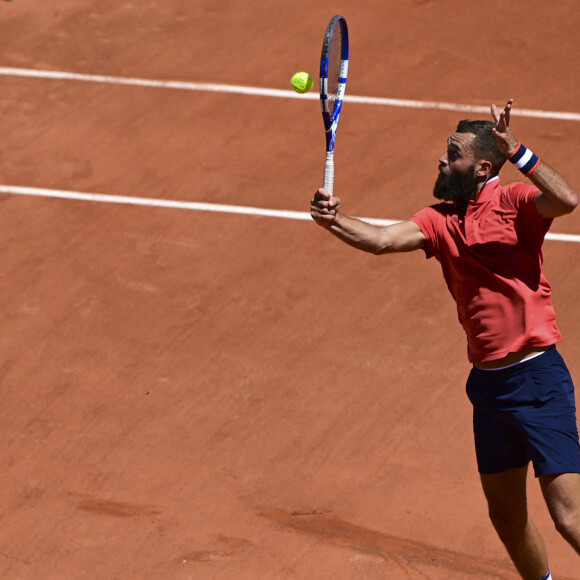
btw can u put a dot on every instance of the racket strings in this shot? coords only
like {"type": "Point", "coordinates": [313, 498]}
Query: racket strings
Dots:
{"type": "Point", "coordinates": [334, 68]}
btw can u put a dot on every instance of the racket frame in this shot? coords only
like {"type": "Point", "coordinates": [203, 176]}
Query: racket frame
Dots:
{"type": "Point", "coordinates": [336, 26]}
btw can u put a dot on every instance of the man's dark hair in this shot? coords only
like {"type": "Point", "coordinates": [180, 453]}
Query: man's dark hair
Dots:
{"type": "Point", "coordinates": [484, 145]}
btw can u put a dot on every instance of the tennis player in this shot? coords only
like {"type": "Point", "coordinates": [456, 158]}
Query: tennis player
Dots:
{"type": "Point", "coordinates": [488, 239]}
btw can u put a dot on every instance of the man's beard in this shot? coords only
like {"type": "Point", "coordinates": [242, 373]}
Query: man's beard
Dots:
{"type": "Point", "coordinates": [456, 186]}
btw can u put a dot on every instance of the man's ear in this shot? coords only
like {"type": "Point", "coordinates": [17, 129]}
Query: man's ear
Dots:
{"type": "Point", "coordinates": [484, 169]}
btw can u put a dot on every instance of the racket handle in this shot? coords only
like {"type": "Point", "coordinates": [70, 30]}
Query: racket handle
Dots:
{"type": "Point", "coordinates": [329, 172]}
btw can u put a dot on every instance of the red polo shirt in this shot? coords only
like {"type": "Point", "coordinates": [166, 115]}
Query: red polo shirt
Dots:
{"type": "Point", "coordinates": [491, 257]}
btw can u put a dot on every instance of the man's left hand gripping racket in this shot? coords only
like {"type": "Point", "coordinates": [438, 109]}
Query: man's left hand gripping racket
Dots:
{"type": "Point", "coordinates": [333, 72]}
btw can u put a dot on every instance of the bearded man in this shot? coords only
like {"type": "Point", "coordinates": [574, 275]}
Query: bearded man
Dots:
{"type": "Point", "coordinates": [488, 239]}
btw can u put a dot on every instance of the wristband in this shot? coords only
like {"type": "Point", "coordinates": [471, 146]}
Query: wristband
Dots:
{"type": "Point", "coordinates": [525, 160]}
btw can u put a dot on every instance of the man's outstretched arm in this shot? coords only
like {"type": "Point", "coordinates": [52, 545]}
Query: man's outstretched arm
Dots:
{"type": "Point", "coordinates": [404, 236]}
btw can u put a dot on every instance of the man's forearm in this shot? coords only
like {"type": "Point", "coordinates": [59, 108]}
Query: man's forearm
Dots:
{"type": "Point", "coordinates": [553, 185]}
{"type": "Point", "coordinates": [357, 233]}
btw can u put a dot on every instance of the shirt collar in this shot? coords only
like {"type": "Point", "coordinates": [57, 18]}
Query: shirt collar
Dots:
{"type": "Point", "coordinates": [488, 190]}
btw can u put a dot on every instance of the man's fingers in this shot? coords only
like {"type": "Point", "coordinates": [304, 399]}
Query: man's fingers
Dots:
{"type": "Point", "coordinates": [320, 195]}
{"type": "Point", "coordinates": [507, 111]}
{"type": "Point", "coordinates": [323, 198]}
{"type": "Point", "coordinates": [502, 119]}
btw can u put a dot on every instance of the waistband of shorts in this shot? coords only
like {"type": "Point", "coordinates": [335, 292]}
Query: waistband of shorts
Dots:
{"type": "Point", "coordinates": [519, 364]}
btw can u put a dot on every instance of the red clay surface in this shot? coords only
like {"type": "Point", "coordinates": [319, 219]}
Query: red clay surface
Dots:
{"type": "Point", "coordinates": [191, 395]}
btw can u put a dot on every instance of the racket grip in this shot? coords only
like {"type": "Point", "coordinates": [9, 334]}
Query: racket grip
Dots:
{"type": "Point", "coordinates": [329, 172]}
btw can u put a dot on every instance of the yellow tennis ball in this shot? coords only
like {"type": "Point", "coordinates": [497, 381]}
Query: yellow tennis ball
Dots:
{"type": "Point", "coordinates": [301, 82]}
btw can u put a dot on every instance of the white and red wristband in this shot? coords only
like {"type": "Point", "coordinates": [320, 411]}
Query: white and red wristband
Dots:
{"type": "Point", "coordinates": [525, 160]}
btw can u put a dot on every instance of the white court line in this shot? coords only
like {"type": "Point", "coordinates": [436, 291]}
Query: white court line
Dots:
{"type": "Point", "coordinates": [198, 206]}
{"type": "Point", "coordinates": [278, 93]}
{"type": "Point", "coordinates": [255, 91]}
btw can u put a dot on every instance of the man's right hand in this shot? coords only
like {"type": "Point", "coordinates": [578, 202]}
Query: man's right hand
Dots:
{"type": "Point", "coordinates": [324, 208]}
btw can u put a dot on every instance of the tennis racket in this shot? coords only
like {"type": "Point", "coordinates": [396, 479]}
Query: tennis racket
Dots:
{"type": "Point", "coordinates": [333, 71]}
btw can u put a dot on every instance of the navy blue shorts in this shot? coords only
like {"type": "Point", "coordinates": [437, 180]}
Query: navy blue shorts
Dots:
{"type": "Point", "coordinates": [525, 413]}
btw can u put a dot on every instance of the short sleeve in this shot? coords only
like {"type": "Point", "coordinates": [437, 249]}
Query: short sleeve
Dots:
{"type": "Point", "coordinates": [427, 219]}
{"type": "Point", "coordinates": [529, 222]}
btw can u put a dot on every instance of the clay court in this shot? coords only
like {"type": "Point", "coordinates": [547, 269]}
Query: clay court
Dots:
{"type": "Point", "coordinates": [205, 392]}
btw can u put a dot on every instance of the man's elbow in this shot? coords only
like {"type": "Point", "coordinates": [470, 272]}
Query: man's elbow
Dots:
{"type": "Point", "coordinates": [570, 202]}
{"type": "Point", "coordinates": [384, 244]}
